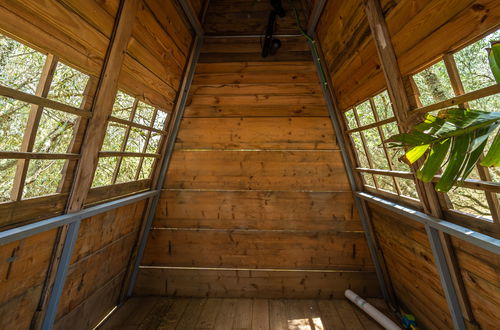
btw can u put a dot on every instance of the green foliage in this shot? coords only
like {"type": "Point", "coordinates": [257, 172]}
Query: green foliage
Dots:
{"type": "Point", "coordinates": [494, 59]}
{"type": "Point", "coordinates": [460, 134]}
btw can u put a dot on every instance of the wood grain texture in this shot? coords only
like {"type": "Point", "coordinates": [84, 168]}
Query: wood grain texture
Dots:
{"type": "Point", "coordinates": [257, 133]}
{"type": "Point", "coordinates": [23, 268]}
{"type": "Point", "coordinates": [239, 314]}
{"type": "Point", "coordinates": [238, 283]}
{"type": "Point", "coordinates": [254, 170]}
{"type": "Point", "coordinates": [480, 270]}
{"type": "Point", "coordinates": [261, 210]}
{"type": "Point", "coordinates": [411, 267]}
{"type": "Point", "coordinates": [257, 249]}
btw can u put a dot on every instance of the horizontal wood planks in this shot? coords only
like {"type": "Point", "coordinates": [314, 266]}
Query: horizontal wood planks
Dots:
{"type": "Point", "coordinates": [238, 314]}
{"type": "Point", "coordinates": [213, 282]}
{"type": "Point", "coordinates": [100, 259]}
{"type": "Point", "coordinates": [285, 249]}
{"type": "Point", "coordinates": [410, 264]}
{"type": "Point", "coordinates": [23, 267]}
{"type": "Point", "coordinates": [263, 210]}
{"type": "Point", "coordinates": [480, 271]}
{"type": "Point", "coordinates": [420, 32]}
{"type": "Point", "coordinates": [242, 17]}
{"type": "Point", "coordinates": [256, 181]}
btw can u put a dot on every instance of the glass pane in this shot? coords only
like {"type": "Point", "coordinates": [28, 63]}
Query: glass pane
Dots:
{"type": "Point", "coordinates": [136, 140]}
{"type": "Point", "coordinates": [20, 66]}
{"type": "Point", "coordinates": [68, 85]}
{"type": "Point", "coordinates": [43, 177]}
{"type": "Point", "coordinates": [473, 66]}
{"type": "Point", "coordinates": [7, 172]}
{"type": "Point", "coordinates": [351, 120]}
{"type": "Point", "coordinates": [154, 142]}
{"type": "Point", "coordinates": [146, 169]}
{"type": "Point", "coordinates": [113, 140]}
{"type": "Point", "coordinates": [385, 183]}
{"type": "Point", "coordinates": [365, 114]}
{"type": "Point", "coordinates": [104, 173]}
{"type": "Point", "coordinates": [13, 118]}
{"type": "Point", "coordinates": [128, 169]}
{"type": "Point", "coordinates": [368, 179]}
{"type": "Point", "coordinates": [383, 105]}
{"type": "Point", "coordinates": [123, 106]}
{"type": "Point", "coordinates": [408, 188]}
{"type": "Point", "coordinates": [434, 84]}
{"type": "Point", "coordinates": [358, 145]}
{"type": "Point", "coordinates": [470, 201]}
{"type": "Point", "coordinates": [161, 117]}
{"type": "Point", "coordinates": [374, 144]}
{"type": "Point", "coordinates": [55, 131]}
{"type": "Point", "coordinates": [144, 114]}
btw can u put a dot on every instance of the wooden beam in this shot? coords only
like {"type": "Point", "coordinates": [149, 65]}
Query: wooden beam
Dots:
{"type": "Point", "coordinates": [36, 155]}
{"type": "Point", "coordinates": [101, 110]}
{"type": "Point", "coordinates": [398, 95]}
{"type": "Point", "coordinates": [134, 124]}
{"type": "Point", "coordinates": [46, 103]}
{"type": "Point", "coordinates": [103, 105]}
{"type": "Point", "coordinates": [29, 137]}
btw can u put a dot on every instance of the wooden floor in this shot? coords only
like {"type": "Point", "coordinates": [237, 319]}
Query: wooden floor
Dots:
{"type": "Point", "coordinates": [214, 313]}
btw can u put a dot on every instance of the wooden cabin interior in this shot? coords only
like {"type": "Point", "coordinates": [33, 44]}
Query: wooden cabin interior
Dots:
{"type": "Point", "coordinates": [158, 171]}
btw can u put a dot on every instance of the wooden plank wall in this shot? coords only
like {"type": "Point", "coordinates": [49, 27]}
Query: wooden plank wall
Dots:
{"type": "Point", "coordinates": [98, 266]}
{"type": "Point", "coordinates": [78, 32]}
{"type": "Point", "coordinates": [246, 17]}
{"type": "Point", "coordinates": [421, 32]}
{"type": "Point", "coordinates": [256, 201]}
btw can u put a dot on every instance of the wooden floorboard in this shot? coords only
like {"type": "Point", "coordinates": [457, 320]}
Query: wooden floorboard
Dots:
{"type": "Point", "coordinates": [241, 314]}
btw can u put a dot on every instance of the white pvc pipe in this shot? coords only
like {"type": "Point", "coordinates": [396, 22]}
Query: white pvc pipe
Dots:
{"type": "Point", "coordinates": [378, 316]}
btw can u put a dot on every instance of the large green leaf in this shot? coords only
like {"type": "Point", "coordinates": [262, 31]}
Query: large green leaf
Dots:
{"type": "Point", "coordinates": [492, 158]}
{"type": "Point", "coordinates": [494, 59]}
{"type": "Point", "coordinates": [434, 160]}
{"type": "Point", "coordinates": [415, 153]}
{"type": "Point", "coordinates": [456, 162]}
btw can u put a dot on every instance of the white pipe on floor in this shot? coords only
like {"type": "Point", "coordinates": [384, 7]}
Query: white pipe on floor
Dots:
{"type": "Point", "coordinates": [378, 316]}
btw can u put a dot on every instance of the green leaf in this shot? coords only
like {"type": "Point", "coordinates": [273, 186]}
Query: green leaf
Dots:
{"type": "Point", "coordinates": [456, 162]}
{"type": "Point", "coordinates": [494, 59]}
{"type": "Point", "coordinates": [414, 154]}
{"type": "Point", "coordinates": [492, 158]}
{"type": "Point", "coordinates": [434, 160]}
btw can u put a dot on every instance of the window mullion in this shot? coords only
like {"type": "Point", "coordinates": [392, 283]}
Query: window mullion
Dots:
{"type": "Point", "coordinates": [145, 147]}
{"type": "Point", "coordinates": [124, 142]}
{"type": "Point", "coordinates": [32, 126]}
{"type": "Point", "coordinates": [484, 174]}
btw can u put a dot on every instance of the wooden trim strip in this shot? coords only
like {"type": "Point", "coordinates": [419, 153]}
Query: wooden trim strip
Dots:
{"type": "Point", "coordinates": [377, 124]}
{"type": "Point", "coordinates": [483, 92]}
{"type": "Point", "coordinates": [36, 155]}
{"type": "Point", "coordinates": [33, 99]}
{"type": "Point", "coordinates": [133, 124]}
{"type": "Point", "coordinates": [127, 154]}
{"type": "Point", "coordinates": [32, 124]}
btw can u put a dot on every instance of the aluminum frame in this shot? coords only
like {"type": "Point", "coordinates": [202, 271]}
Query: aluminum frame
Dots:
{"type": "Point", "coordinates": [19, 233]}
{"type": "Point", "coordinates": [349, 169]}
{"type": "Point", "coordinates": [179, 113]}
{"type": "Point", "coordinates": [483, 241]}
{"type": "Point", "coordinates": [445, 276]}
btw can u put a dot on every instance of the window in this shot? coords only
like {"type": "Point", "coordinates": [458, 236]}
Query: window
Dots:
{"type": "Point", "coordinates": [131, 145]}
{"type": "Point", "coordinates": [466, 72]}
{"type": "Point", "coordinates": [41, 103]}
{"type": "Point", "coordinates": [369, 124]}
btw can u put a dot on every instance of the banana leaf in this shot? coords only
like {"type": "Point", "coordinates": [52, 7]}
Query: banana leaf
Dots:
{"type": "Point", "coordinates": [494, 59]}
{"type": "Point", "coordinates": [455, 138]}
